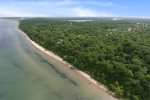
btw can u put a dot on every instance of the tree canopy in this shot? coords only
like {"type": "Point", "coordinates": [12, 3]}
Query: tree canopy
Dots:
{"type": "Point", "coordinates": [115, 53]}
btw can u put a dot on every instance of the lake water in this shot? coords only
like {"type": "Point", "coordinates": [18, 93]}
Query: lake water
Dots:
{"type": "Point", "coordinates": [28, 74]}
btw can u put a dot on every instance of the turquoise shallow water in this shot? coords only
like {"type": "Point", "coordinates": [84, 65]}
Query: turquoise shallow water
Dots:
{"type": "Point", "coordinates": [28, 74]}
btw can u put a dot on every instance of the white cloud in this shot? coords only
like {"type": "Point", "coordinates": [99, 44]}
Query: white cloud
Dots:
{"type": "Point", "coordinates": [45, 8]}
{"type": "Point", "coordinates": [6, 12]}
{"type": "Point", "coordinates": [82, 12]}
{"type": "Point", "coordinates": [41, 8]}
{"type": "Point", "coordinates": [107, 4]}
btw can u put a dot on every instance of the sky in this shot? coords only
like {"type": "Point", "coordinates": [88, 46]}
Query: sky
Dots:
{"type": "Point", "coordinates": [75, 8]}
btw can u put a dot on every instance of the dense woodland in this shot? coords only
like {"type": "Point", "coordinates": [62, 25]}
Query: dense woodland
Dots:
{"type": "Point", "coordinates": [114, 52]}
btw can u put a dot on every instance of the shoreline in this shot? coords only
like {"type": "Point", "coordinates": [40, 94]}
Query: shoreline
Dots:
{"type": "Point", "coordinates": [89, 79]}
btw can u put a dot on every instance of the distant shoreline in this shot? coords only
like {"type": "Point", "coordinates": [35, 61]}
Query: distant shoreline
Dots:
{"type": "Point", "coordinates": [56, 57]}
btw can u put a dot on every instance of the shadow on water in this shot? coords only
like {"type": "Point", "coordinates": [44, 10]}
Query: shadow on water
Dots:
{"type": "Point", "coordinates": [63, 75]}
{"type": "Point", "coordinates": [1, 96]}
{"type": "Point", "coordinates": [60, 73]}
{"type": "Point", "coordinates": [19, 67]}
{"type": "Point", "coordinates": [28, 50]}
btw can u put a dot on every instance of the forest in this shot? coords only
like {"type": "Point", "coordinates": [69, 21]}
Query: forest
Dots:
{"type": "Point", "coordinates": [114, 52]}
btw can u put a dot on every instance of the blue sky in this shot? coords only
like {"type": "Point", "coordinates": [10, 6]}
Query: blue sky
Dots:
{"type": "Point", "coordinates": [74, 8]}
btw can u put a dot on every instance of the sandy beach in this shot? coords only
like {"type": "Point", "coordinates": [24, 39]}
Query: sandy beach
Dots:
{"type": "Point", "coordinates": [89, 79]}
